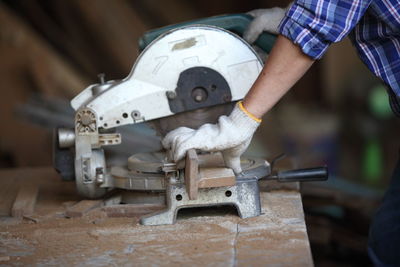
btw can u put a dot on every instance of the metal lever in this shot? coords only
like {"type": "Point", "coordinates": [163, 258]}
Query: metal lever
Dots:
{"type": "Point", "coordinates": [301, 175]}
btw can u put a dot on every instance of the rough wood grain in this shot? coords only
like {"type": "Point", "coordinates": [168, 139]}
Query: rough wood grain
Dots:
{"type": "Point", "coordinates": [131, 210]}
{"type": "Point", "coordinates": [25, 201]}
{"type": "Point", "coordinates": [216, 177]}
{"type": "Point", "coordinates": [278, 237]}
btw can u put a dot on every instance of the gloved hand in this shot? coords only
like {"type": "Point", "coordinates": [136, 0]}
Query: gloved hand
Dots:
{"type": "Point", "coordinates": [231, 135]}
{"type": "Point", "coordinates": [264, 20]}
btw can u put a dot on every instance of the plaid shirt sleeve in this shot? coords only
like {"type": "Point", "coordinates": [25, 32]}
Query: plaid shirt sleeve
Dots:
{"type": "Point", "coordinates": [315, 24]}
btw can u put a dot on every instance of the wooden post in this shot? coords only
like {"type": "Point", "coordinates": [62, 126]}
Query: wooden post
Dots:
{"type": "Point", "coordinates": [191, 174]}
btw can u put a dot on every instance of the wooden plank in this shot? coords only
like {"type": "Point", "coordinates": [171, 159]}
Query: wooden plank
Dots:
{"type": "Point", "coordinates": [25, 201]}
{"type": "Point", "coordinates": [216, 177]}
{"type": "Point", "coordinates": [82, 207]}
{"type": "Point", "coordinates": [277, 237]}
{"type": "Point", "coordinates": [131, 210]}
{"type": "Point", "coordinates": [191, 174]}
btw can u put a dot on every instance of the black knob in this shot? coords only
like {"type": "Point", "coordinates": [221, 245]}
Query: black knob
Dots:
{"type": "Point", "coordinates": [304, 175]}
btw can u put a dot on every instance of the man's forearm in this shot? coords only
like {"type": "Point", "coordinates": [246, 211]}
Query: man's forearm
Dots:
{"type": "Point", "coordinates": [286, 64]}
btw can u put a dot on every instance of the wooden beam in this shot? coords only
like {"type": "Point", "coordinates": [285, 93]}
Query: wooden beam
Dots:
{"type": "Point", "coordinates": [25, 201]}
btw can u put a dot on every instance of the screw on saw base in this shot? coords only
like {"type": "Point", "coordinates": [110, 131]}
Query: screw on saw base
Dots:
{"type": "Point", "coordinates": [199, 94]}
{"type": "Point", "coordinates": [171, 95]}
{"type": "Point", "coordinates": [136, 115]}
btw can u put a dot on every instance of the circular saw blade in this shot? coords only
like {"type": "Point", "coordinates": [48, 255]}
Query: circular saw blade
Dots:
{"type": "Point", "coordinates": [191, 119]}
{"type": "Point", "coordinates": [153, 162]}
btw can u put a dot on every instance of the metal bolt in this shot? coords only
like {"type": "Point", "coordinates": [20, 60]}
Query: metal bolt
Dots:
{"type": "Point", "coordinates": [86, 119]}
{"type": "Point", "coordinates": [100, 175]}
{"type": "Point", "coordinates": [101, 77]}
{"type": "Point", "coordinates": [135, 114]}
{"type": "Point", "coordinates": [199, 94]}
{"type": "Point", "coordinates": [66, 137]}
{"type": "Point", "coordinates": [171, 95]}
{"type": "Point", "coordinates": [198, 98]}
{"type": "Point", "coordinates": [226, 98]}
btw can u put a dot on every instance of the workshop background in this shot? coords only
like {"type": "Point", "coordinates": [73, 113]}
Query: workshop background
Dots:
{"type": "Point", "coordinates": [338, 114]}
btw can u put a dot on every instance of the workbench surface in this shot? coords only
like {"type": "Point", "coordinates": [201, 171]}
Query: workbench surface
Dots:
{"type": "Point", "coordinates": [200, 237]}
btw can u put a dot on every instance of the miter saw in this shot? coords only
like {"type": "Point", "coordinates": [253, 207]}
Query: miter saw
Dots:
{"type": "Point", "coordinates": [186, 75]}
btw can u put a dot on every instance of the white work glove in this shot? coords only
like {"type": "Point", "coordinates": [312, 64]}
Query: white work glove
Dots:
{"type": "Point", "coordinates": [231, 135]}
{"type": "Point", "coordinates": [267, 20]}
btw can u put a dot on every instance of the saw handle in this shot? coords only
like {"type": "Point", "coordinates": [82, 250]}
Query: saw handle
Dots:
{"type": "Point", "coordinates": [303, 175]}
{"type": "Point", "coordinates": [236, 23]}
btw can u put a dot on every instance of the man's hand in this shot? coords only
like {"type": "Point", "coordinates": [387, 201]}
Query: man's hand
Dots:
{"type": "Point", "coordinates": [264, 20]}
{"type": "Point", "coordinates": [231, 135]}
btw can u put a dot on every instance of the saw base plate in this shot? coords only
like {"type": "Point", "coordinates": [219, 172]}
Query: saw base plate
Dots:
{"type": "Point", "coordinates": [244, 196]}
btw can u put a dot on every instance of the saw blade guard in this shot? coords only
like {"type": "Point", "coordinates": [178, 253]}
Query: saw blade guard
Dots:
{"type": "Point", "coordinates": [184, 69]}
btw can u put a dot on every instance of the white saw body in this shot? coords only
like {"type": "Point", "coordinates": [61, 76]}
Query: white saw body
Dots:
{"type": "Point", "coordinates": [156, 72]}
{"type": "Point", "coordinates": [191, 68]}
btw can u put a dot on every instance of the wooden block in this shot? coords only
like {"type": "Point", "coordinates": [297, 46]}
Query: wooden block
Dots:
{"type": "Point", "coordinates": [216, 177]}
{"type": "Point", "coordinates": [25, 201]}
{"type": "Point", "coordinates": [131, 210]}
{"type": "Point", "coordinates": [191, 174]}
{"type": "Point", "coordinates": [206, 160]}
{"type": "Point", "coordinates": [82, 207]}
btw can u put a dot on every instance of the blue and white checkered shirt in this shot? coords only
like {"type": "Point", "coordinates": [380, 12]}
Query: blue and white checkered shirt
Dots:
{"type": "Point", "coordinates": [372, 25]}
